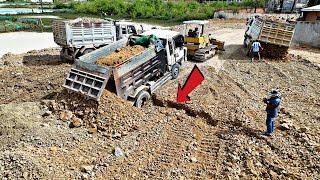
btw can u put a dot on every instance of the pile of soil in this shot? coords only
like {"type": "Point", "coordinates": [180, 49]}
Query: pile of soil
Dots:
{"type": "Point", "coordinates": [85, 20]}
{"type": "Point", "coordinates": [217, 135]}
{"type": "Point", "coordinates": [111, 115]}
{"type": "Point", "coordinates": [272, 51]}
{"type": "Point", "coordinates": [121, 55]}
{"type": "Point", "coordinates": [279, 19]}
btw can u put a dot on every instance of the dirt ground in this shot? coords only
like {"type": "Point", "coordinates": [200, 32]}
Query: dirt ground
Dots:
{"type": "Point", "coordinates": [47, 133]}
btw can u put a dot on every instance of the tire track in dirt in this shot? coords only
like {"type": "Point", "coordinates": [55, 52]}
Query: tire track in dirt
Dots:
{"type": "Point", "coordinates": [209, 155]}
{"type": "Point", "coordinates": [169, 159]}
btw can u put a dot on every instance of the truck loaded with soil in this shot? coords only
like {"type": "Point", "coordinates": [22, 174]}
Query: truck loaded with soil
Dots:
{"type": "Point", "coordinates": [133, 67]}
{"type": "Point", "coordinates": [274, 34]}
{"type": "Point", "coordinates": [47, 132]}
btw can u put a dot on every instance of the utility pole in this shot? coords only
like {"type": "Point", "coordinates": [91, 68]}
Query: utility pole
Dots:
{"type": "Point", "coordinates": [281, 5]}
{"type": "Point", "coordinates": [41, 6]}
{"type": "Point", "coordinates": [293, 5]}
{"type": "Point", "coordinates": [255, 6]}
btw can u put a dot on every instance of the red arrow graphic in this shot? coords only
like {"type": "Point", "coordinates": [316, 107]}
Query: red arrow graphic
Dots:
{"type": "Point", "coordinates": [194, 80]}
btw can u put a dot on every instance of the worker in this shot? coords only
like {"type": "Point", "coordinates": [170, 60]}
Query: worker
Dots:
{"type": "Point", "coordinates": [273, 104]}
{"type": "Point", "coordinates": [255, 50]}
{"type": "Point", "coordinates": [196, 32]}
{"type": "Point", "coordinates": [190, 33]}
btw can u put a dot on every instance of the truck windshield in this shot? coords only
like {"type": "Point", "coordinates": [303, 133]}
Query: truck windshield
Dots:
{"type": "Point", "coordinates": [123, 30]}
{"type": "Point", "coordinates": [132, 30]}
{"type": "Point", "coordinates": [178, 41]}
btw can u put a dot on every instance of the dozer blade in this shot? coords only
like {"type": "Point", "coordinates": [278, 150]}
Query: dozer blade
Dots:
{"type": "Point", "coordinates": [86, 83]}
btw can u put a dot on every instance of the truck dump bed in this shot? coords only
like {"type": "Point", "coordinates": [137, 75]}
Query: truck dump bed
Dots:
{"type": "Point", "coordinates": [272, 32]}
{"type": "Point", "coordinates": [277, 33]}
{"type": "Point", "coordinates": [81, 32]}
{"type": "Point", "coordinates": [90, 78]}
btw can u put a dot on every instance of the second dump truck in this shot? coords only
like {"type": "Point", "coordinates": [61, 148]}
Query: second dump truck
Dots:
{"type": "Point", "coordinates": [268, 31]}
{"type": "Point", "coordinates": [84, 35]}
{"type": "Point", "coordinates": [135, 78]}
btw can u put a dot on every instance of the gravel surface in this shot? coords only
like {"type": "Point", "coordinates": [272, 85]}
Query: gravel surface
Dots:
{"type": "Point", "coordinates": [48, 133]}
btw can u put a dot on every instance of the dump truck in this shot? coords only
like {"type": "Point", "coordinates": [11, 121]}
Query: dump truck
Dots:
{"type": "Point", "coordinates": [135, 78]}
{"type": "Point", "coordinates": [83, 35]}
{"type": "Point", "coordinates": [274, 35]}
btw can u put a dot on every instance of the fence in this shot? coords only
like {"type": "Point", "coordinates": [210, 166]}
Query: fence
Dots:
{"type": "Point", "coordinates": [307, 33]}
{"type": "Point", "coordinates": [242, 15]}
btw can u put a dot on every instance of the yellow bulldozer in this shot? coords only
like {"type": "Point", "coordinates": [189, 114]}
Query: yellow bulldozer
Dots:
{"type": "Point", "coordinates": [200, 47]}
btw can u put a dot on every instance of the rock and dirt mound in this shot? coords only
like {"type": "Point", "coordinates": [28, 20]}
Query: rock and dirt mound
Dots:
{"type": "Point", "coordinates": [275, 52]}
{"type": "Point", "coordinates": [216, 136]}
{"type": "Point", "coordinates": [31, 76]}
{"type": "Point", "coordinates": [112, 115]}
{"type": "Point", "coordinates": [121, 55]}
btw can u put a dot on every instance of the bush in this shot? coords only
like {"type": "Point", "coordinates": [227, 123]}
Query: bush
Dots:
{"type": "Point", "coordinates": [62, 5]}
{"type": "Point", "coordinates": [158, 9]}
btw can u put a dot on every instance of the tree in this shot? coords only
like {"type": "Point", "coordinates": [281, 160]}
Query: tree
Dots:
{"type": "Point", "coordinates": [281, 5]}
{"type": "Point", "coordinates": [293, 5]}
{"type": "Point", "coordinates": [313, 3]}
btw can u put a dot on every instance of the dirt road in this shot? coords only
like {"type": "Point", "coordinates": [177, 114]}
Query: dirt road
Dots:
{"type": "Point", "coordinates": [48, 133]}
{"type": "Point", "coordinates": [22, 42]}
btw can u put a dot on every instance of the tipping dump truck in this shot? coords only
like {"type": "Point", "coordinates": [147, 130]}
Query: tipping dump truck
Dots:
{"type": "Point", "coordinates": [274, 36]}
{"type": "Point", "coordinates": [83, 35]}
{"type": "Point", "coordinates": [134, 78]}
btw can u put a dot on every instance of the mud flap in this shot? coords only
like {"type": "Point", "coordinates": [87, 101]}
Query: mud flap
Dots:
{"type": "Point", "coordinates": [89, 84]}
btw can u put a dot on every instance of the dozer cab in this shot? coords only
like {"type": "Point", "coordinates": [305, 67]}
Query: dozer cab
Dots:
{"type": "Point", "coordinates": [200, 46]}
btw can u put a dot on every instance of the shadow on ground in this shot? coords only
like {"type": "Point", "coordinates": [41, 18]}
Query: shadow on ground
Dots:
{"type": "Point", "coordinates": [46, 59]}
{"type": "Point", "coordinates": [234, 52]}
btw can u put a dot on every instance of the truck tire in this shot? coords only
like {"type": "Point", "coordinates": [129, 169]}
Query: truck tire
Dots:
{"type": "Point", "coordinates": [175, 71]}
{"type": "Point", "coordinates": [245, 43]}
{"type": "Point", "coordinates": [141, 98]}
{"type": "Point", "coordinates": [62, 57]}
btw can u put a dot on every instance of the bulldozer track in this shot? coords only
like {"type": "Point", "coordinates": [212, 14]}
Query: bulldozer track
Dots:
{"type": "Point", "coordinates": [209, 152]}
{"type": "Point", "coordinates": [170, 151]}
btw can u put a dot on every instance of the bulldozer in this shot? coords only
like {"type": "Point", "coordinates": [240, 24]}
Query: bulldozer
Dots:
{"type": "Point", "coordinates": [200, 47]}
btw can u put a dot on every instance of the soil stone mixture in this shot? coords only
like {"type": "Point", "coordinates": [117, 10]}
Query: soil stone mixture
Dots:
{"type": "Point", "coordinates": [49, 133]}
{"type": "Point", "coordinates": [121, 55]}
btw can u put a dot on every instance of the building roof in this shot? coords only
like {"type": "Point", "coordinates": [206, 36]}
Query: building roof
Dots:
{"type": "Point", "coordinates": [312, 8]}
{"type": "Point", "coordinates": [196, 22]}
{"type": "Point", "coordinates": [160, 33]}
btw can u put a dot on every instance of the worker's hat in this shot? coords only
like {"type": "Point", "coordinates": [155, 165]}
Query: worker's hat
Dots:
{"type": "Point", "coordinates": [274, 93]}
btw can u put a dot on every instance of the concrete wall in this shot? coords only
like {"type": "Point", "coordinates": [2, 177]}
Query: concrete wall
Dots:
{"type": "Point", "coordinates": [307, 33]}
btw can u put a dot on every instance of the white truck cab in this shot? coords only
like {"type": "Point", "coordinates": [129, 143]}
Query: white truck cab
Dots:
{"type": "Point", "coordinates": [174, 44]}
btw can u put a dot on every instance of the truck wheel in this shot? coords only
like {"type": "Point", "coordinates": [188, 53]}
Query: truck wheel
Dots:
{"type": "Point", "coordinates": [62, 56]}
{"type": "Point", "coordinates": [175, 71]}
{"type": "Point", "coordinates": [245, 42]}
{"type": "Point", "coordinates": [141, 98]}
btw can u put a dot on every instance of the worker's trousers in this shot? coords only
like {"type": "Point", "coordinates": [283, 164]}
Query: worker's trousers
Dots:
{"type": "Point", "coordinates": [270, 123]}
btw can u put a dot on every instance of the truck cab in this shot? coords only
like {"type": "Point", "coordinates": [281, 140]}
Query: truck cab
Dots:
{"type": "Point", "coordinates": [127, 28]}
{"type": "Point", "coordinates": [175, 52]}
{"type": "Point", "coordinates": [124, 28]}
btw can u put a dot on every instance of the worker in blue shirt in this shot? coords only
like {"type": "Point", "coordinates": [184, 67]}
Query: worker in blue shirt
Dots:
{"type": "Point", "coordinates": [273, 105]}
{"type": "Point", "coordinates": [255, 50]}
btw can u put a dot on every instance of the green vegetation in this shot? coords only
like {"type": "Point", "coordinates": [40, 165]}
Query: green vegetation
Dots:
{"type": "Point", "coordinates": [14, 23]}
{"type": "Point", "coordinates": [156, 9]}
